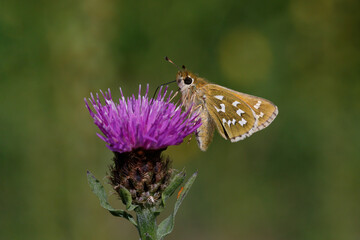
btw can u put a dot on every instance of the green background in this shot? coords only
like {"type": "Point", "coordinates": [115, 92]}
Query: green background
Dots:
{"type": "Point", "coordinates": [297, 179]}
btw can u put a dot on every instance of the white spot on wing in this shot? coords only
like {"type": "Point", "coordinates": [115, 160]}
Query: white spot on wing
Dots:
{"type": "Point", "coordinates": [257, 105]}
{"type": "Point", "coordinates": [242, 122]}
{"type": "Point", "coordinates": [235, 103]}
{"type": "Point", "coordinates": [239, 112]}
{"type": "Point", "coordinates": [222, 109]}
{"type": "Point", "coordinates": [220, 97]}
{"type": "Point", "coordinates": [260, 115]}
{"type": "Point", "coordinates": [243, 136]}
{"type": "Point", "coordinates": [229, 123]}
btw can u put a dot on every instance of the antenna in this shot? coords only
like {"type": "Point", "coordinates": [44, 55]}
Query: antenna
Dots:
{"type": "Point", "coordinates": [168, 60]}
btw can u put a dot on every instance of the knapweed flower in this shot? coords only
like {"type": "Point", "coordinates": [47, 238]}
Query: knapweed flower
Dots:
{"type": "Point", "coordinates": [137, 130]}
{"type": "Point", "coordinates": [141, 122]}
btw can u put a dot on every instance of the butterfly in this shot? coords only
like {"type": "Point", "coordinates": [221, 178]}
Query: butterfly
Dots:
{"type": "Point", "coordinates": [234, 114]}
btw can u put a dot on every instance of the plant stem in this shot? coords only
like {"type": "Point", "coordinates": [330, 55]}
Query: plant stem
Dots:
{"type": "Point", "coordinates": [146, 221]}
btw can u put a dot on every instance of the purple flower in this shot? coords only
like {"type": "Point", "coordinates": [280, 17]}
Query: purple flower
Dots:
{"type": "Point", "coordinates": [141, 122]}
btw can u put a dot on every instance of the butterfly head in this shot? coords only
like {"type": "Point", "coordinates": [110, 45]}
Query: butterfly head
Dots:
{"type": "Point", "coordinates": [186, 80]}
{"type": "Point", "coordinates": [190, 88]}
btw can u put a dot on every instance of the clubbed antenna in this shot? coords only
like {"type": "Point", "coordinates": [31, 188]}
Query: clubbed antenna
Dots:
{"type": "Point", "coordinates": [168, 60]}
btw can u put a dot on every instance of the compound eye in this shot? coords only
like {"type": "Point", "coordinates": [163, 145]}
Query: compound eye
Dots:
{"type": "Point", "coordinates": [188, 80]}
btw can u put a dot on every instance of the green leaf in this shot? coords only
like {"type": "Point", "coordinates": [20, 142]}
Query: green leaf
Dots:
{"type": "Point", "coordinates": [167, 225]}
{"type": "Point", "coordinates": [126, 198]}
{"type": "Point", "coordinates": [175, 182]}
{"type": "Point", "coordinates": [98, 189]}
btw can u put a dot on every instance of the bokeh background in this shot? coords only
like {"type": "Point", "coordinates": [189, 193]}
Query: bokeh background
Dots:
{"type": "Point", "coordinates": [298, 179]}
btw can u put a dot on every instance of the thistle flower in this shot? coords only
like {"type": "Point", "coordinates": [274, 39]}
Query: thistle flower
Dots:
{"type": "Point", "coordinates": [137, 130]}
{"type": "Point", "coordinates": [141, 122]}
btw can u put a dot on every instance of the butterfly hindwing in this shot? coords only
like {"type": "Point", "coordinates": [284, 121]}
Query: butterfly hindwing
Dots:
{"type": "Point", "coordinates": [265, 111]}
{"type": "Point", "coordinates": [233, 117]}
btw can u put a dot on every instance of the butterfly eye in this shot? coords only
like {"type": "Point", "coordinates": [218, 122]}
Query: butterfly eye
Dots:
{"type": "Point", "coordinates": [188, 80]}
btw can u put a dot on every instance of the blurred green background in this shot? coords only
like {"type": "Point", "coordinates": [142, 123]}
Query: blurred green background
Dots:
{"type": "Point", "coordinates": [298, 179]}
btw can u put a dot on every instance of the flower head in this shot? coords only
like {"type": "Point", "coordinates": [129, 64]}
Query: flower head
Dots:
{"type": "Point", "coordinates": [137, 130]}
{"type": "Point", "coordinates": [141, 122]}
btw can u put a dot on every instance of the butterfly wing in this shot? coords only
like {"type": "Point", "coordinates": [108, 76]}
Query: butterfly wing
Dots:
{"type": "Point", "coordinates": [265, 110]}
{"type": "Point", "coordinates": [233, 117]}
{"type": "Point", "coordinates": [237, 115]}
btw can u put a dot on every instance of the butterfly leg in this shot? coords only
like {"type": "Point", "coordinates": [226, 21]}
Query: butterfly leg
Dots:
{"type": "Point", "coordinates": [195, 110]}
{"type": "Point", "coordinates": [175, 94]}
{"type": "Point", "coordinates": [189, 139]}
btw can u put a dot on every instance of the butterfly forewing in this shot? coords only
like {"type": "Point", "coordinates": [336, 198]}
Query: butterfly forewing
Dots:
{"type": "Point", "coordinates": [233, 117]}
